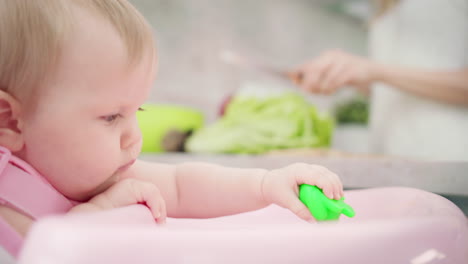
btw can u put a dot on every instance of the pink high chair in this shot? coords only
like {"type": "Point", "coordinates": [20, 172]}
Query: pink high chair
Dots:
{"type": "Point", "coordinates": [392, 225]}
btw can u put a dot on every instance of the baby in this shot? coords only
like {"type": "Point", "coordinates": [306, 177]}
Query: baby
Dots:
{"type": "Point", "coordinates": [73, 74]}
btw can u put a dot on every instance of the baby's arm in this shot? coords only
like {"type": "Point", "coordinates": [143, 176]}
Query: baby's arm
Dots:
{"type": "Point", "coordinates": [204, 190]}
{"type": "Point", "coordinates": [127, 192]}
{"type": "Point", "coordinates": [201, 190]}
{"type": "Point", "coordinates": [207, 190]}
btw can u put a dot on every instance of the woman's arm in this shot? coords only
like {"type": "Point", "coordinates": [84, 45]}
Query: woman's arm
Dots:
{"type": "Point", "coordinates": [445, 86]}
{"type": "Point", "coordinates": [335, 69]}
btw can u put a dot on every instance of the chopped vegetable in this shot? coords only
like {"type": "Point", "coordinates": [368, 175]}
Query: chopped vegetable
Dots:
{"type": "Point", "coordinates": [255, 125]}
{"type": "Point", "coordinates": [353, 111]}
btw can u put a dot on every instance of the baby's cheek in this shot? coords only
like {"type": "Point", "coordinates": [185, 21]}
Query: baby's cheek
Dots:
{"type": "Point", "coordinates": [74, 160]}
{"type": "Point", "coordinates": [63, 166]}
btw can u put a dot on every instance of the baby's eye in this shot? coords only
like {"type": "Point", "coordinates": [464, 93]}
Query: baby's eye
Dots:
{"type": "Point", "coordinates": [141, 109]}
{"type": "Point", "coordinates": [111, 118]}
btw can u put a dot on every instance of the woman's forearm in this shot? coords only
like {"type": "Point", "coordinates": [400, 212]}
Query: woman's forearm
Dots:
{"type": "Point", "coordinates": [444, 86]}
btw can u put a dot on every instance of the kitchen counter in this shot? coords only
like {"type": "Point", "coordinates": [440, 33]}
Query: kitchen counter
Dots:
{"type": "Point", "coordinates": [356, 171]}
{"type": "Point", "coordinates": [449, 179]}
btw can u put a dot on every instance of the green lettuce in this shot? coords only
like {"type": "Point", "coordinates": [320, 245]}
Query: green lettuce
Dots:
{"type": "Point", "coordinates": [253, 125]}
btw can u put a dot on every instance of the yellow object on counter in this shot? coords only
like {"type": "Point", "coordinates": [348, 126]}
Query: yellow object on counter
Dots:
{"type": "Point", "coordinates": [157, 120]}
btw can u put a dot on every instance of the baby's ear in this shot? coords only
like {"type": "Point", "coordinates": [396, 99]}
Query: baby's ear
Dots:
{"type": "Point", "coordinates": [10, 132]}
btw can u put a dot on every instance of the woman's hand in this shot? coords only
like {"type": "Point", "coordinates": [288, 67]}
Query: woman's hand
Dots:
{"type": "Point", "coordinates": [333, 70]}
{"type": "Point", "coordinates": [281, 186]}
{"type": "Point", "coordinates": [128, 192]}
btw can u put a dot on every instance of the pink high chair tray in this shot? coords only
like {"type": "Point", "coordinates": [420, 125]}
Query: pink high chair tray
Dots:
{"type": "Point", "coordinates": [392, 225]}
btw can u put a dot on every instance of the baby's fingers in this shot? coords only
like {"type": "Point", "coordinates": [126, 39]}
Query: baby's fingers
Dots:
{"type": "Point", "coordinates": [158, 209]}
{"type": "Point", "coordinates": [325, 180]}
{"type": "Point", "coordinates": [297, 77]}
{"type": "Point", "coordinates": [149, 194]}
{"type": "Point", "coordinates": [336, 185]}
{"type": "Point", "coordinates": [328, 190]}
{"type": "Point", "coordinates": [299, 209]}
{"type": "Point", "coordinates": [332, 188]}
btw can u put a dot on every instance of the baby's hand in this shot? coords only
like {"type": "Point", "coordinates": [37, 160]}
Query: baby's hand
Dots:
{"type": "Point", "coordinates": [128, 192]}
{"type": "Point", "coordinates": [281, 186]}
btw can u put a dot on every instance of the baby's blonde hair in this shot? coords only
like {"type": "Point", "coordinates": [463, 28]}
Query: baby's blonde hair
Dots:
{"type": "Point", "coordinates": [32, 33]}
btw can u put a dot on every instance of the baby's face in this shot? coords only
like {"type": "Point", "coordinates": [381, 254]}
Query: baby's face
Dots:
{"type": "Point", "coordinates": [84, 131]}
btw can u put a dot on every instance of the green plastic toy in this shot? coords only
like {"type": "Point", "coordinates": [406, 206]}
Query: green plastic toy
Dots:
{"type": "Point", "coordinates": [322, 207]}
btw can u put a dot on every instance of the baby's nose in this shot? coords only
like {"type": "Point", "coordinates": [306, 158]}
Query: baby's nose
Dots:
{"type": "Point", "coordinates": [131, 138]}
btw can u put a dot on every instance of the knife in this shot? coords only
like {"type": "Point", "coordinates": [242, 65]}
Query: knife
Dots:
{"type": "Point", "coordinates": [232, 58]}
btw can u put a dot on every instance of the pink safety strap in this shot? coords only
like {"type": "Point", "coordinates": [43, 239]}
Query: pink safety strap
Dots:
{"type": "Point", "coordinates": [24, 189]}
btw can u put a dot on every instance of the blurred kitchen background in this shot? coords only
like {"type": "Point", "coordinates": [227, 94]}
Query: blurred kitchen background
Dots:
{"type": "Point", "coordinates": [191, 34]}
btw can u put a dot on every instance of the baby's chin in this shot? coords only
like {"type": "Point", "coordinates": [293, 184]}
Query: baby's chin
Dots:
{"type": "Point", "coordinates": [118, 175]}
{"type": "Point", "coordinates": [87, 195]}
